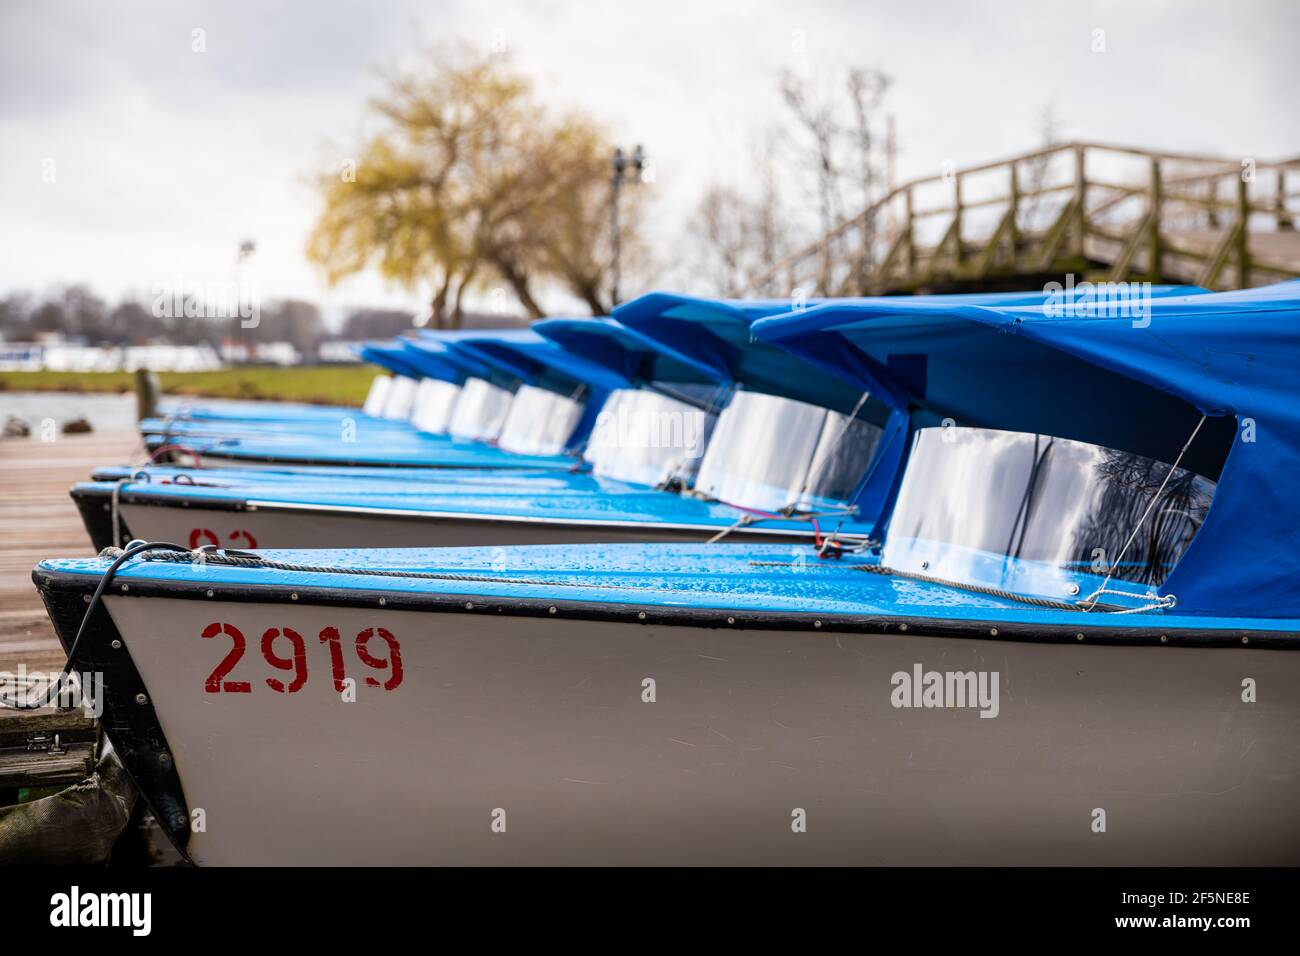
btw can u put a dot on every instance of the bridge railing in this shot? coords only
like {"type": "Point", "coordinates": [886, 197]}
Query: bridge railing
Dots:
{"type": "Point", "coordinates": [1099, 210]}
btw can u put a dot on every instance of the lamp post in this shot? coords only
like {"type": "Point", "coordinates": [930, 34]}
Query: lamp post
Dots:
{"type": "Point", "coordinates": [621, 163]}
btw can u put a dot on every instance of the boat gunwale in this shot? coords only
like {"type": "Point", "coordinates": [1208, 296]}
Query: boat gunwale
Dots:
{"type": "Point", "coordinates": [145, 497]}
{"type": "Point", "coordinates": [628, 612]}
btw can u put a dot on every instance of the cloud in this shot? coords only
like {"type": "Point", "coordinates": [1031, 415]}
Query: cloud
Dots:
{"type": "Point", "coordinates": [166, 158]}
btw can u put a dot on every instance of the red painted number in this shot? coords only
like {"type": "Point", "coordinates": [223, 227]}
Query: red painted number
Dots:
{"type": "Point", "coordinates": [393, 663]}
{"type": "Point", "coordinates": [201, 536]}
{"type": "Point", "coordinates": [389, 664]}
{"type": "Point", "coordinates": [216, 682]}
{"type": "Point", "coordinates": [330, 636]}
{"type": "Point", "coordinates": [297, 663]}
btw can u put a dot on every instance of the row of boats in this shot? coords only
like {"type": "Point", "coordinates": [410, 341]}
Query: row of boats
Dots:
{"type": "Point", "coordinates": [939, 579]}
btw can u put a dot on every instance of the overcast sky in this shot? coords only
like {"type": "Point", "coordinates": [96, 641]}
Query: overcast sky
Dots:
{"type": "Point", "coordinates": [164, 158]}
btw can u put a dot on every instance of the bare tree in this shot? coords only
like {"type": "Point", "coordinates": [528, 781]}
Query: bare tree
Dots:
{"type": "Point", "coordinates": [838, 114]}
{"type": "Point", "coordinates": [1036, 170]}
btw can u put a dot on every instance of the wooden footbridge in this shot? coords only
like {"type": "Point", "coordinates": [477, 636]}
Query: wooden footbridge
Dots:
{"type": "Point", "coordinates": [1098, 212]}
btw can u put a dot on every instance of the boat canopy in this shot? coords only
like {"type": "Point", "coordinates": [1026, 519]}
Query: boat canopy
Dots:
{"type": "Point", "coordinates": [715, 333]}
{"type": "Point", "coordinates": [540, 363]}
{"type": "Point", "coordinates": [436, 360]}
{"type": "Point", "coordinates": [627, 352]}
{"type": "Point", "coordinates": [534, 360]}
{"type": "Point", "coordinates": [1136, 377]}
{"type": "Point", "coordinates": [391, 356]}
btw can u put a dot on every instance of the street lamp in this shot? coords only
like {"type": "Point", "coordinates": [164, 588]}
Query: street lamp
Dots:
{"type": "Point", "coordinates": [621, 163]}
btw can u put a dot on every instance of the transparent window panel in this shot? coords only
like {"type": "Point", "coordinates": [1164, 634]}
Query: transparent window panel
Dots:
{"type": "Point", "coordinates": [771, 453]}
{"type": "Point", "coordinates": [480, 411]}
{"type": "Point", "coordinates": [647, 438]}
{"type": "Point", "coordinates": [434, 402]}
{"type": "Point", "coordinates": [539, 422]}
{"type": "Point", "coordinates": [1037, 514]}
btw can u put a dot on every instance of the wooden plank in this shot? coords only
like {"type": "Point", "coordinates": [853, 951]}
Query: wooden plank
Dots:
{"type": "Point", "coordinates": [20, 767]}
{"type": "Point", "coordinates": [16, 726]}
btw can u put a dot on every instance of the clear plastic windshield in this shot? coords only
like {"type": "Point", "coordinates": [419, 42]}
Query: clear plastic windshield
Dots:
{"type": "Point", "coordinates": [377, 397]}
{"type": "Point", "coordinates": [645, 437]}
{"type": "Point", "coordinates": [773, 453]}
{"type": "Point", "coordinates": [400, 398]}
{"type": "Point", "coordinates": [434, 402]}
{"type": "Point", "coordinates": [480, 411]}
{"type": "Point", "coordinates": [1039, 515]}
{"type": "Point", "coordinates": [540, 422]}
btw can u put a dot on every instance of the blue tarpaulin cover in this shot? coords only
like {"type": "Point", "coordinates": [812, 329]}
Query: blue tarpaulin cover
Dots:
{"type": "Point", "coordinates": [1135, 382]}
{"type": "Point", "coordinates": [632, 354]}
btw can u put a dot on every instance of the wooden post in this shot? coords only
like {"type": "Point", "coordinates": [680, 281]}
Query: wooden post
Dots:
{"type": "Point", "coordinates": [1243, 233]}
{"type": "Point", "coordinates": [1157, 202]}
{"type": "Point", "coordinates": [1080, 200]}
{"type": "Point", "coordinates": [1013, 209]}
{"type": "Point", "coordinates": [146, 394]}
{"type": "Point", "coordinates": [911, 237]}
{"type": "Point", "coordinates": [956, 220]}
{"type": "Point", "coordinates": [1284, 221]}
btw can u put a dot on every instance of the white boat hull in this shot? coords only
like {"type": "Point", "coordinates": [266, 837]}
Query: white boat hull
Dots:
{"type": "Point", "coordinates": [538, 726]}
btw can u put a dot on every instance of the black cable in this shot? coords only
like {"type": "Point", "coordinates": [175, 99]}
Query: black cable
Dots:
{"type": "Point", "coordinates": [57, 685]}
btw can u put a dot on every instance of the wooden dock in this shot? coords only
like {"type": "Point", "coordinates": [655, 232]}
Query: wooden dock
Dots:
{"type": "Point", "coordinates": [38, 520]}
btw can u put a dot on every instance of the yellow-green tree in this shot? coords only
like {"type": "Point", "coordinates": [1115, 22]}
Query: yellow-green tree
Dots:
{"type": "Point", "coordinates": [472, 182]}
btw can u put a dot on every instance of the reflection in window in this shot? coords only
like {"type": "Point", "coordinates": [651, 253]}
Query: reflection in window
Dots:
{"type": "Point", "coordinates": [648, 438]}
{"type": "Point", "coordinates": [1038, 514]}
{"type": "Point", "coordinates": [773, 453]}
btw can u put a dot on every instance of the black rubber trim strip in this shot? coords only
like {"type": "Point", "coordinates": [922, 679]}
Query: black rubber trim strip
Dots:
{"type": "Point", "coordinates": [132, 726]}
{"type": "Point", "coordinates": [631, 613]}
{"type": "Point", "coordinates": [97, 515]}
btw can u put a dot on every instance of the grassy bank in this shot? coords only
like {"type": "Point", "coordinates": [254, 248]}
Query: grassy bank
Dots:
{"type": "Point", "coordinates": [318, 384]}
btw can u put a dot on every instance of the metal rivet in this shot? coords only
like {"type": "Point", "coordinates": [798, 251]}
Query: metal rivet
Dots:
{"type": "Point", "coordinates": [925, 565]}
{"type": "Point", "coordinates": [993, 632]}
{"type": "Point", "coordinates": [209, 592]}
{"type": "Point", "coordinates": [126, 587]}
{"type": "Point", "coordinates": [179, 821]}
{"type": "Point", "coordinates": [639, 614]}
{"type": "Point", "coordinates": [1072, 589]}
{"type": "Point", "coordinates": [383, 601]}
{"type": "Point", "coordinates": [1078, 637]}
{"type": "Point", "coordinates": [1164, 638]}
{"type": "Point", "coordinates": [902, 627]}
{"type": "Point", "coordinates": [1245, 640]}
{"type": "Point", "coordinates": [293, 596]}
{"type": "Point", "coordinates": [551, 609]}
{"type": "Point", "coordinates": [469, 605]}
{"type": "Point", "coordinates": [141, 699]}
{"type": "Point", "coordinates": [85, 598]}
{"type": "Point", "coordinates": [731, 620]}
{"type": "Point", "coordinates": [117, 645]}
{"type": "Point", "coordinates": [817, 623]}
{"type": "Point", "coordinates": [164, 759]}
